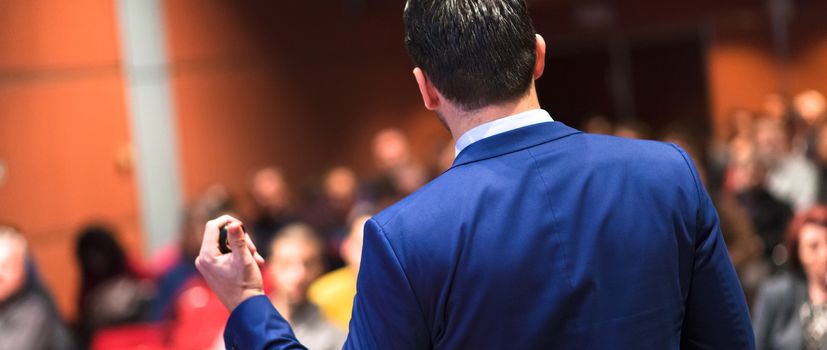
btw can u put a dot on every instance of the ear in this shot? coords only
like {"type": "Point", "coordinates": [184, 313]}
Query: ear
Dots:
{"type": "Point", "coordinates": [540, 59]}
{"type": "Point", "coordinates": [429, 95]}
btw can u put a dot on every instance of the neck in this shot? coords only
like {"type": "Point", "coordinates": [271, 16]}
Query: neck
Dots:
{"type": "Point", "coordinates": [818, 292]}
{"type": "Point", "coordinates": [459, 121]}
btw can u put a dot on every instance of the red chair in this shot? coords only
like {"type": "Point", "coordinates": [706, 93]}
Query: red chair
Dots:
{"type": "Point", "coordinates": [140, 336]}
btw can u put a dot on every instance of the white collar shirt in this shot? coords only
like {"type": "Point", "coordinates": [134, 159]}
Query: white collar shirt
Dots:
{"type": "Point", "coordinates": [502, 125]}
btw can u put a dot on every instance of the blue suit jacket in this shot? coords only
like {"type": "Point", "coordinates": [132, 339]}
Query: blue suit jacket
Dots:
{"type": "Point", "coordinates": [541, 238]}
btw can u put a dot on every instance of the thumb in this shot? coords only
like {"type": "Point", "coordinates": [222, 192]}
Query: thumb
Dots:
{"type": "Point", "coordinates": [237, 240]}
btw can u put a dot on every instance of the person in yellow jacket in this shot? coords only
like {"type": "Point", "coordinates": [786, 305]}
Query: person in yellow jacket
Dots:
{"type": "Point", "coordinates": [334, 291]}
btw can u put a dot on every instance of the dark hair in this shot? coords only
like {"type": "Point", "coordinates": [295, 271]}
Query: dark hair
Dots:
{"type": "Point", "coordinates": [476, 52]}
{"type": "Point", "coordinates": [96, 245]}
{"type": "Point", "coordinates": [816, 215]}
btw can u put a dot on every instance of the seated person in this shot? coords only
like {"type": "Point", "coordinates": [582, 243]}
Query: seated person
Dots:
{"type": "Point", "coordinates": [111, 292]}
{"type": "Point", "coordinates": [273, 206]}
{"type": "Point", "coordinates": [334, 291]}
{"type": "Point", "coordinates": [215, 200]}
{"type": "Point", "coordinates": [791, 309]}
{"type": "Point", "coordinates": [28, 319]}
{"type": "Point", "coordinates": [296, 260]}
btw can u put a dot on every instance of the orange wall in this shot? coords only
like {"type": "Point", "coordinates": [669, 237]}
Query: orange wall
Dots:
{"type": "Point", "coordinates": [292, 90]}
{"type": "Point", "coordinates": [255, 85]}
{"type": "Point", "coordinates": [62, 127]}
{"type": "Point", "coordinates": [744, 67]}
{"type": "Point", "coordinates": [809, 65]}
{"type": "Point", "coordinates": [741, 73]}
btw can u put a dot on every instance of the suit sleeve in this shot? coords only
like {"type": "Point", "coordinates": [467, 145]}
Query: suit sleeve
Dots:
{"type": "Point", "coordinates": [386, 313]}
{"type": "Point", "coordinates": [716, 314]}
{"type": "Point", "coordinates": [255, 324]}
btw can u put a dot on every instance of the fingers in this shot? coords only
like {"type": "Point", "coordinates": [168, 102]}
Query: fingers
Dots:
{"type": "Point", "coordinates": [254, 251]}
{"type": "Point", "coordinates": [209, 245]}
{"type": "Point", "coordinates": [238, 240]}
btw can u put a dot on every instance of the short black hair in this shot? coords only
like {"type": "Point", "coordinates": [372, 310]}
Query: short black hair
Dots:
{"type": "Point", "coordinates": [476, 52]}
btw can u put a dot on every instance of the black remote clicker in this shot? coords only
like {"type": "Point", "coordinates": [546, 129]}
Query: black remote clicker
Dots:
{"type": "Point", "coordinates": [222, 240]}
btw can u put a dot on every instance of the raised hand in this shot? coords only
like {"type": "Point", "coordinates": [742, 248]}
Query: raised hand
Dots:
{"type": "Point", "coordinates": [236, 276]}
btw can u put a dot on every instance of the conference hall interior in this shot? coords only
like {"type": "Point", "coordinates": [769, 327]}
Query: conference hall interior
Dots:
{"type": "Point", "coordinates": [126, 125]}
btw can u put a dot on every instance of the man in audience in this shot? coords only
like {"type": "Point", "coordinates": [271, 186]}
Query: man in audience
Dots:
{"type": "Point", "coordinates": [327, 212]}
{"type": "Point", "coordinates": [28, 319]}
{"type": "Point", "coordinates": [271, 197]}
{"type": "Point", "coordinates": [777, 107]}
{"type": "Point", "coordinates": [295, 261]}
{"type": "Point", "coordinates": [811, 109]}
{"type": "Point", "coordinates": [790, 176]}
{"type": "Point", "coordinates": [334, 291]}
{"type": "Point", "coordinates": [112, 292]}
{"type": "Point", "coordinates": [746, 180]}
{"type": "Point", "coordinates": [398, 173]}
{"type": "Point", "coordinates": [811, 106]}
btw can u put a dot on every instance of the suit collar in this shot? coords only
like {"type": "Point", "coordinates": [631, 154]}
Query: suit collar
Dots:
{"type": "Point", "coordinates": [512, 141]}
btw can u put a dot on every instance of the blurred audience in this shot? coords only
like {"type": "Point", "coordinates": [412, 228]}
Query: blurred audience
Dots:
{"type": "Point", "coordinates": [744, 245]}
{"type": "Point", "coordinates": [720, 151]}
{"type": "Point", "coordinates": [334, 292]}
{"type": "Point", "coordinates": [112, 292]}
{"type": "Point", "coordinates": [632, 129]}
{"type": "Point", "coordinates": [328, 210]}
{"type": "Point", "coordinates": [445, 158]}
{"type": "Point", "coordinates": [777, 107]}
{"type": "Point", "coordinates": [820, 159]}
{"type": "Point", "coordinates": [598, 124]}
{"type": "Point", "coordinates": [746, 180]}
{"type": "Point", "coordinates": [811, 109]}
{"type": "Point", "coordinates": [790, 176]}
{"type": "Point", "coordinates": [811, 106]}
{"type": "Point", "coordinates": [273, 207]}
{"type": "Point", "coordinates": [212, 203]}
{"type": "Point", "coordinates": [791, 309]}
{"type": "Point", "coordinates": [398, 173]}
{"type": "Point", "coordinates": [771, 165]}
{"type": "Point", "coordinates": [391, 149]}
{"type": "Point", "coordinates": [197, 320]}
{"type": "Point", "coordinates": [295, 262]}
{"type": "Point", "coordinates": [28, 318]}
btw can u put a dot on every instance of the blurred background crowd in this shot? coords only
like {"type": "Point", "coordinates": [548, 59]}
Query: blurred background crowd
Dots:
{"type": "Point", "coordinates": [126, 125]}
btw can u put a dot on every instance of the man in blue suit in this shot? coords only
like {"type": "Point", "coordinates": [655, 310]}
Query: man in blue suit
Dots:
{"type": "Point", "coordinates": [538, 237]}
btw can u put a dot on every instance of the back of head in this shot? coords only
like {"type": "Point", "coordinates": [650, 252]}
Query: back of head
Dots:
{"type": "Point", "coordinates": [99, 253]}
{"type": "Point", "coordinates": [476, 52]}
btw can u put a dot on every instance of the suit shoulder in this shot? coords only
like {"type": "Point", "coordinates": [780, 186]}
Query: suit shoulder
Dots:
{"type": "Point", "coordinates": [644, 158]}
{"type": "Point", "coordinates": [639, 150]}
{"type": "Point", "coordinates": [649, 161]}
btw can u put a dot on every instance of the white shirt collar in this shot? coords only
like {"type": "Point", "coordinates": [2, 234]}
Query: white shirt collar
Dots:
{"type": "Point", "coordinates": [499, 126]}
